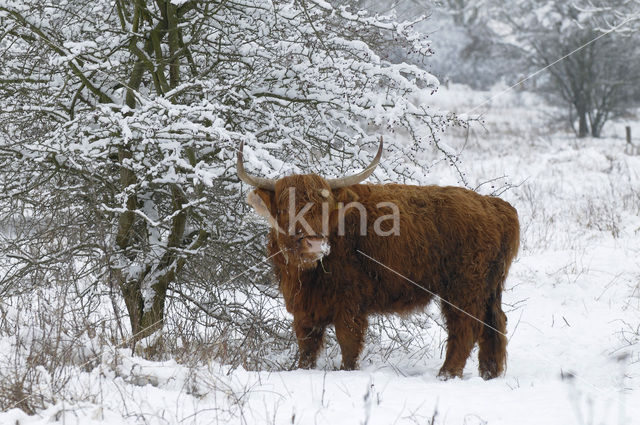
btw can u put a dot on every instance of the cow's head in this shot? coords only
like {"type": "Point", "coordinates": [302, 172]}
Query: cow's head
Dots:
{"type": "Point", "coordinates": [302, 209]}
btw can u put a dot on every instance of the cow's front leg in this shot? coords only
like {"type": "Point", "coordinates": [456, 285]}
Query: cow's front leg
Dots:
{"type": "Point", "coordinates": [350, 332]}
{"type": "Point", "coordinates": [310, 338]}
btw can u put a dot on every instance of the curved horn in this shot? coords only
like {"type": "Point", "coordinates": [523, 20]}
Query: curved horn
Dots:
{"type": "Point", "coordinates": [259, 182]}
{"type": "Point", "coordinates": [357, 178]}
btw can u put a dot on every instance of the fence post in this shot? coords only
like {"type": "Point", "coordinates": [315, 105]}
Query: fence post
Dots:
{"type": "Point", "coordinates": [628, 128]}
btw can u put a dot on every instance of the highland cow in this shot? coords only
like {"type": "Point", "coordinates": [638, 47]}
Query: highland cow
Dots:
{"type": "Point", "coordinates": [444, 242]}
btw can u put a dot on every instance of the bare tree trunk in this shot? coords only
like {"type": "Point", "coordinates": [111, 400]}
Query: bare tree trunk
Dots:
{"type": "Point", "coordinates": [598, 122]}
{"type": "Point", "coordinates": [143, 323]}
{"type": "Point", "coordinates": [583, 121]}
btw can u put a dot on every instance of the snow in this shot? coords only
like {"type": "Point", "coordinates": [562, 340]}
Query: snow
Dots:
{"type": "Point", "coordinates": [572, 301]}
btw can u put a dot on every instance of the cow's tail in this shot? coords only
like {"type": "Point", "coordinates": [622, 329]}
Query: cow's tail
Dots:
{"type": "Point", "coordinates": [493, 339]}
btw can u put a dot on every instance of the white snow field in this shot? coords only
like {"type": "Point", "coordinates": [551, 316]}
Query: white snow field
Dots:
{"type": "Point", "coordinates": [572, 301]}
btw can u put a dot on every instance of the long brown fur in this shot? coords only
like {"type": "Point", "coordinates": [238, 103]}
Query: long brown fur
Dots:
{"type": "Point", "coordinates": [454, 242]}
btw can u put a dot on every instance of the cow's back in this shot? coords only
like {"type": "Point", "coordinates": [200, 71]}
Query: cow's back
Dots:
{"type": "Point", "coordinates": [448, 236]}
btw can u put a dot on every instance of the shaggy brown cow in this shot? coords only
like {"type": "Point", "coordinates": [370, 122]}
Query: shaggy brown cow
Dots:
{"type": "Point", "coordinates": [447, 241]}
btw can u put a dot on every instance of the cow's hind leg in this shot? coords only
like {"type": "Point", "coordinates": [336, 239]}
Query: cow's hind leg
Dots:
{"type": "Point", "coordinates": [310, 338]}
{"type": "Point", "coordinates": [350, 332]}
{"type": "Point", "coordinates": [493, 341]}
{"type": "Point", "coordinates": [463, 329]}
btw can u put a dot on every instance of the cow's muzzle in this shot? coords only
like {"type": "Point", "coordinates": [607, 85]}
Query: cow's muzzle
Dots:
{"type": "Point", "coordinates": [313, 248]}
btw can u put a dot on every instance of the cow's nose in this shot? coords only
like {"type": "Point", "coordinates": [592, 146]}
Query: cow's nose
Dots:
{"type": "Point", "coordinates": [316, 247]}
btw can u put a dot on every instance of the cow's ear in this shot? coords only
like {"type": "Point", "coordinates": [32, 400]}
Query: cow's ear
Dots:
{"type": "Point", "coordinates": [263, 202]}
{"type": "Point", "coordinates": [345, 195]}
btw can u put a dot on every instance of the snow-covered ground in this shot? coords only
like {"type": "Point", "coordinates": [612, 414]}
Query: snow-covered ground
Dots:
{"type": "Point", "coordinates": [572, 301]}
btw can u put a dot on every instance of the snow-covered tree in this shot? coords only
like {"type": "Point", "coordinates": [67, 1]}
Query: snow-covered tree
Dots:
{"type": "Point", "coordinates": [119, 122]}
{"type": "Point", "coordinates": [468, 48]}
{"type": "Point", "coordinates": [621, 16]}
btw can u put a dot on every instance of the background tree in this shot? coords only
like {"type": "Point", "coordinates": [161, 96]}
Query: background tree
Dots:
{"type": "Point", "coordinates": [596, 77]}
{"type": "Point", "coordinates": [119, 122]}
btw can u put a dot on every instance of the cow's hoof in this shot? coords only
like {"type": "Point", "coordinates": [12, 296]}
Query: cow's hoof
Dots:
{"type": "Point", "coordinates": [445, 375]}
{"type": "Point", "coordinates": [486, 374]}
{"type": "Point", "coordinates": [489, 370]}
{"type": "Point", "coordinates": [306, 365]}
